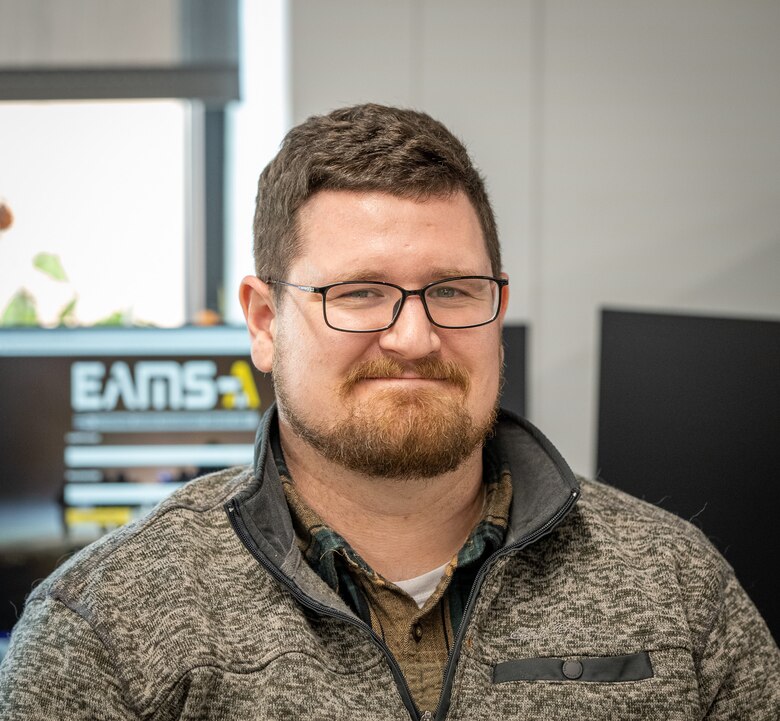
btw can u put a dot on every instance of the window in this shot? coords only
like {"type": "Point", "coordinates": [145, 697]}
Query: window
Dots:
{"type": "Point", "coordinates": [101, 185]}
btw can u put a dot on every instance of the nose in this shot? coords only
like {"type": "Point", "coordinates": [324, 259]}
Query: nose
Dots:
{"type": "Point", "coordinates": [412, 335]}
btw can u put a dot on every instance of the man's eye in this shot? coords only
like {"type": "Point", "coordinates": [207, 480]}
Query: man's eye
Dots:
{"type": "Point", "coordinates": [446, 291]}
{"type": "Point", "coordinates": [363, 293]}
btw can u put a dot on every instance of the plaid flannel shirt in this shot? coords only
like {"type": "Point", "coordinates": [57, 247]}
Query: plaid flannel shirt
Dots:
{"type": "Point", "coordinates": [420, 638]}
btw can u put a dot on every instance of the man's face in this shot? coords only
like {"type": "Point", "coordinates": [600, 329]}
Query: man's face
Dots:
{"type": "Point", "coordinates": [413, 400]}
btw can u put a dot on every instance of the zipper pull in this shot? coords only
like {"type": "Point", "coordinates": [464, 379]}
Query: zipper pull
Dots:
{"type": "Point", "coordinates": [427, 716]}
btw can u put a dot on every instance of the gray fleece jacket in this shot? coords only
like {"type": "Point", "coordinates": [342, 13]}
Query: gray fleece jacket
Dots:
{"type": "Point", "coordinates": [599, 607]}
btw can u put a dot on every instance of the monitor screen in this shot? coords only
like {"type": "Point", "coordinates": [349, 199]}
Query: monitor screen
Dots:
{"type": "Point", "coordinates": [101, 424]}
{"type": "Point", "coordinates": [689, 419]}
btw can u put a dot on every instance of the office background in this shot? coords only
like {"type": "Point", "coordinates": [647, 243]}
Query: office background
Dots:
{"type": "Point", "coordinates": [631, 149]}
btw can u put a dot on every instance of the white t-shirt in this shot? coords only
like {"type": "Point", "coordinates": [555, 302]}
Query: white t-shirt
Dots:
{"type": "Point", "coordinates": [420, 588]}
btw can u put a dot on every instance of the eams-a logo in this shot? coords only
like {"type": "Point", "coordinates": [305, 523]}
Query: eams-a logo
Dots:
{"type": "Point", "coordinates": [161, 385]}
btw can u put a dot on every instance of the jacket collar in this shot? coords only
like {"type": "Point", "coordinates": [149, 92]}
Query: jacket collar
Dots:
{"type": "Point", "coordinates": [542, 482]}
{"type": "Point", "coordinates": [543, 485]}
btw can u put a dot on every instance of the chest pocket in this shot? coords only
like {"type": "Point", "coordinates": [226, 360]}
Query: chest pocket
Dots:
{"type": "Point", "coordinates": [604, 669]}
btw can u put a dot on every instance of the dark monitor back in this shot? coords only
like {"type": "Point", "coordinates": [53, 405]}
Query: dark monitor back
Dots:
{"type": "Point", "coordinates": [689, 419]}
{"type": "Point", "coordinates": [513, 393]}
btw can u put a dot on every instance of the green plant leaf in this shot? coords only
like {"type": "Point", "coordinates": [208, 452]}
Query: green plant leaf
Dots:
{"type": "Point", "coordinates": [51, 265]}
{"type": "Point", "coordinates": [67, 315]}
{"type": "Point", "coordinates": [20, 310]}
{"type": "Point", "coordinates": [118, 317]}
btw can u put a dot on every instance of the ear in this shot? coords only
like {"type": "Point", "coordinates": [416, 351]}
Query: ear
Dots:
{"type": "Point", "coordinates": [260, 312]}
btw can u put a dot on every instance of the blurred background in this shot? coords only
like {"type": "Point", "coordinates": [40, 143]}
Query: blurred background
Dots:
{"type": "Point", "coordinates": [632, 153]}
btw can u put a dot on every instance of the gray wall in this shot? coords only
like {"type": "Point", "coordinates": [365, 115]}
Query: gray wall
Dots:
{"type": "Point", "coordinates": [88, 32]}
{"type": "Point", "coordinates": [632, 150]}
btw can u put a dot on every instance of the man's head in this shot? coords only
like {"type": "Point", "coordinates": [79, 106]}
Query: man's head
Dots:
{"type": "Point", "coordinates": [377, 194]}
{"type": "Point", "coordinates": [362, 148]}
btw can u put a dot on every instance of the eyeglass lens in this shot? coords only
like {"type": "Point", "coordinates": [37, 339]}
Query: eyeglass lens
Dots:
{"type": "Point", "coordinates": [452, 303]}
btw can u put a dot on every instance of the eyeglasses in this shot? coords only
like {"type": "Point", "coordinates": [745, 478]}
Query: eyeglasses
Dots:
{"type": "Point", "coordinates": [467, 301]}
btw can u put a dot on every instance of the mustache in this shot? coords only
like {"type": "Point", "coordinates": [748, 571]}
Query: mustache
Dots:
{"type": "Point", "coordinates": [428, 368]}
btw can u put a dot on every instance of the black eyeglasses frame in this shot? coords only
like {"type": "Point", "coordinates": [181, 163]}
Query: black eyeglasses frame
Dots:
{"type": "Point", "coordinates": [323, 290]}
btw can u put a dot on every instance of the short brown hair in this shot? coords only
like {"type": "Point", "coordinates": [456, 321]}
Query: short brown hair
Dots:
{"type": "Point", "coordinates": [362, 148]}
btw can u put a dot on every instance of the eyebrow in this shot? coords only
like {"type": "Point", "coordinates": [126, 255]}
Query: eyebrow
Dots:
{"type": "Point", "coordinates": [433, 275]}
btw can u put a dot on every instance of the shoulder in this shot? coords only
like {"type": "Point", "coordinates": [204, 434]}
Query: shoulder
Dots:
{"type": "Point", "coordinates": [636, 527]}
{"type": "Point", "coordinates": [626, 519]}
{"type": "Point", "coordinates": [631, 538]}
{"type": "Point", "coordinates": [155, 600]}
{"type": "Point", "coordinates": [157, 597]}
{"type": "Point", "coordinates": [186, 529]}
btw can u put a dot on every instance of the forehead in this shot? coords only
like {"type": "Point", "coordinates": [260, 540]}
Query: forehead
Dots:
{"type": "Point", "coordinates": [377, 235]}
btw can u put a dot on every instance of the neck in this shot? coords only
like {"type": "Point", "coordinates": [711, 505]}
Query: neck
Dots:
{"type": "Point", "coordinates": [401, 528]}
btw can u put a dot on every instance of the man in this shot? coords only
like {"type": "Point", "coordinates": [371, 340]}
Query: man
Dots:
{"type": "Point", "coordinates": [400, 549]}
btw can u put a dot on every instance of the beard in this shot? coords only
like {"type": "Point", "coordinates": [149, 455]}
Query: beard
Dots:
{"type": "Point", "coordinates": [397, 433]}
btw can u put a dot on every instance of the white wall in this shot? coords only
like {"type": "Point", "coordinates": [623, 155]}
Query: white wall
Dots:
{"type": "Point", "coordinates": [660, 178]}
{"type": "Point", "coordinates": [632, 150]}
{"type": "Point", "coordinates": [451, 58]}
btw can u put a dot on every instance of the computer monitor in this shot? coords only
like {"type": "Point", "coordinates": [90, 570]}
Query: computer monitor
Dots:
{"type": "Point", "coordinates": [689, 419]}
{"type": "Point", "coordinates": [100, 424]}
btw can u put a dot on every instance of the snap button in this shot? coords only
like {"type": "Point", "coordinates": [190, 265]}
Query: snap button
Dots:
{"type": "Point", "coordinates": [572, 669]}
{"type": "Point", "coordinates": [417, 631]}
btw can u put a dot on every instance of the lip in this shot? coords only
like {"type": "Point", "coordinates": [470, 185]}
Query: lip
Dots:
{"type": "Point", "coordinates": [406, 379]}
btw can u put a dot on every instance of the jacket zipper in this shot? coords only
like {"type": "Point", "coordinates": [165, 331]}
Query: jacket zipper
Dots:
{"type": "Point", "coordinates": [449, 667]}
{"type": "Point", "coordinates": [238, 526]}
{"type": "Point", "coordinates": [236, 521]}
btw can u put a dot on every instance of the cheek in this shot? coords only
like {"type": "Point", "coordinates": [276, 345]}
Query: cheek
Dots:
{"type": "Point", "coordinates": [320, 364]}
{"type": "Point", "coordinates": [484, 358]}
